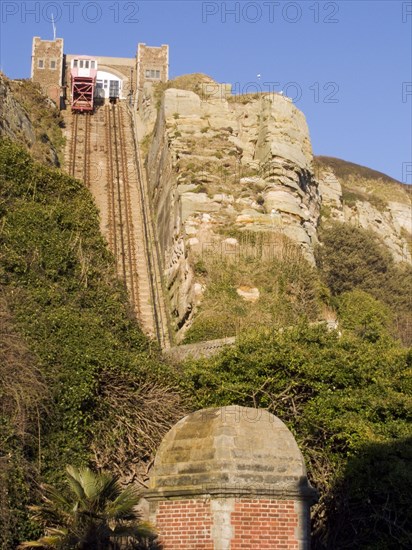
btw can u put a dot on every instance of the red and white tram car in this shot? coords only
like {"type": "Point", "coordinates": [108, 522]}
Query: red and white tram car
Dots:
{"type": "Point", "coordinates": [83, 73]}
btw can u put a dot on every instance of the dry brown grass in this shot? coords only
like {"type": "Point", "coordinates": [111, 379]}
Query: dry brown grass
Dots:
{"type": "Point", "coordinates": [369, 183]}
{"type": "Point", "coordinates": [23, 392]}
{"type": "Point", "coordinates": [138, 415]}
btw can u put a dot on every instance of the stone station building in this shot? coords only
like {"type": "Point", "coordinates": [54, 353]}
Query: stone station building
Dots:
{"type": "Point", "coordinates": [230, 478]}
{"type": "Point", "coordinates": [51, 69]}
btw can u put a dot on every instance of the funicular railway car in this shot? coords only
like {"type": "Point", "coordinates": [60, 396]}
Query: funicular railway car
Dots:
{"type": "Point", "coordinates": [83, 73]}
{"type": "Point", "coordinates": [108, 87]}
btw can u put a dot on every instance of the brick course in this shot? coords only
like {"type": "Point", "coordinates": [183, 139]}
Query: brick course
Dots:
{"type": "Point", "coordinates": [257, 524]}
{"type": "Point", "coordinates": [261, 524]}
{"type": "Point", "coordinates": [230, 478]}
{"type": "Point", "coordinates": [185, 524]}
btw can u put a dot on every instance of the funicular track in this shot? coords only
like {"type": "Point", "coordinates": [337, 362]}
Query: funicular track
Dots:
{"type": "Point", "coordinates": [150, 246]}
{"type": "Point", "coordinates": [103, 152]}
{"type": "Point", "coordinates": [79, 163]}
{"type": "Point", "coordinates": [129, 222]}
{"type": "Point", "coordinates": [120, 219]}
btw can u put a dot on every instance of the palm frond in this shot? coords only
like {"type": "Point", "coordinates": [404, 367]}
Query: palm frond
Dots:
{"type": "Point", "coordinates": [48, 541]}
{"type": "Point", "coordinates": [74, 480]}
{"type": "Point", "coordinates": [99, 511]}
{"type": "Point", "coordinates": [109, 489]}
{"type": "Point", "coordinates": [141, 531]}
{"type": "Point", "coordinates": [123, 507]}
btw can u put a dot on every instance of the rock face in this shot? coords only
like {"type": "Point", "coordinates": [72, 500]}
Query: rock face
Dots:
{"type": "Point", "coordinates": [221, 165]}
{"type": "Point", "coordinates": [14, 120]}
{"type": "Point", "coordinates": [359, 196]}
{"type": "Point", "coordinates": [29, 118]}
{"type": "Point", "coordinates": [217, 164]}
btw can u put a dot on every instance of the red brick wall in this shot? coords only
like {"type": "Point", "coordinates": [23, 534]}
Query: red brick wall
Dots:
{"type": "Point", "coordinates": [257, 524]}
{"type": "Point", "coordinates": [185, 525]}
{"type": "Point", "coordinates": [264, 524]}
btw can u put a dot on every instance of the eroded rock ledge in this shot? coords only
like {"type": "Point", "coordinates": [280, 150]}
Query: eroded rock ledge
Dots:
{"type": "Point", "coordinates": [219, 165]}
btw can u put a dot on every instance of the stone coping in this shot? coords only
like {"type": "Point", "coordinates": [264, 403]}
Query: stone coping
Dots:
{"type": "Point", "coordinates": [304, 493]}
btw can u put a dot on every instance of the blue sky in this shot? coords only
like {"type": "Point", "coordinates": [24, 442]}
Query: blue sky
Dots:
{"type": "Point", "coordinates": [347, 64]}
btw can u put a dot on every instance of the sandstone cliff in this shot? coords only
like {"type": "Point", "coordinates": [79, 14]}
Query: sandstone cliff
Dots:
{"type": "Point", "coordinates": [14, 119]}
{"type": "Point", "coordinates": [369, 199]}
{"type": "Point", "coordinates": [219, 165]}
{"type": "Point", "coordinates": [222, 166]}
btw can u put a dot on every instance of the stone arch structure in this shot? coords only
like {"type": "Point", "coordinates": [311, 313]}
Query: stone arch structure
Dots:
{"type": "Point", "coordinates": [230, 478]}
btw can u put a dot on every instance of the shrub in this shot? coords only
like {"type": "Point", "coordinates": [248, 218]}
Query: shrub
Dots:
{"type": "Point", "coordinates": [72, 315]}
{"type": "Point", "coordinates": [344, 398]}
{"type": "Point", "coordinates": [364, 315]}
{"type": "Point", "coordinates": [351, 258]}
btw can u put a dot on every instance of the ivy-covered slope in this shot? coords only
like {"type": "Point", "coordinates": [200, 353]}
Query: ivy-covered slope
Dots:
{"type": "Point", "coordinates": [358, 269]}
{"type": "Point", "coordinates": [348, 401]}
{"type": "Point", "coordinates": [93, 389]}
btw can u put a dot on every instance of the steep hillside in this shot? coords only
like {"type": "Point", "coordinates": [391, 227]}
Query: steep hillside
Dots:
{"type": "Point", "coordinates": [29, 118]}
{"type": "Point", "coordinates": [230, 177]}
{"type": "Point", "coordinates": [233, 185]}
{"type": "Point", "coordinates": [80, 382]}
{"type": "Point", "coordinates": [363, 197]}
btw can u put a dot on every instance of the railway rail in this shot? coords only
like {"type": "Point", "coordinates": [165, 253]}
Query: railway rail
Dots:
{"type": "Point", "coordinates": [121, 229]}
{"type": "Point", "coordinates": [79, 164]}
{"type": "Point", "coordinates": [152, 249]}
{"type": "Point", "coordinates": [103, 152]}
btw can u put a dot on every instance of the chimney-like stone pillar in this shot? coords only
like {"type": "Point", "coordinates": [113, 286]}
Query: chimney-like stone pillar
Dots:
{"type": "Point", "coordinates": [230, 478]}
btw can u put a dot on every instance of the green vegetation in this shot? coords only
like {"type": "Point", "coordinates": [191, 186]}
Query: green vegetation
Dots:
{"type": "Point", "coordinates": [348, 402]}
{"type": "Point", "coordinates": [96, 513]}
{"type": "Point", "coordinates": [47, 122]}
{"type": "Point", "coordinates": [83, 382]}
{"type": "Point", "coordinates": [352, 258]}
{"type": "Point", "coordinates": [243, 99]}
{"type": "Point", "coordinates": [345, 395]}
{"type": "Point", "coordinates": [364, 315]}
{"type": "Point", "coordinates": [351, 196]}
{"type": "Point", "coordinates": [289, 287]}
{"type": "Point", "coordinates": [344, 169]}
{"type": "Point", "coordinates": [82, 385]}
{"type": "Point", "coordinates": [145, 145]}
{"type": "Point", "coordinates": [197, 82]}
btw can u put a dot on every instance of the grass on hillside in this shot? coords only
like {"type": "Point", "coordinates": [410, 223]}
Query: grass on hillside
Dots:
{"type": "Point", "coordinates": [289, 287]}
{"type": "Point", "coordinates": [47, 121]}
{"type": "Point", "coordinates": [364, 184]}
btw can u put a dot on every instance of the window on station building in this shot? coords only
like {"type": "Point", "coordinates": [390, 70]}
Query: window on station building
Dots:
{"type": "Point", "coordinates": [81, 63]}
{"type": "Point", "coordinates": [152, 73]}
{"type": "Point", "coordinates": [75, 63]}
{"type": "Point", "coordinates": [40, 63]}
{"type": "Point", "coordinates": [53, 64]}
{"type": "Point", "coordinates": [92, 64]}
{"type": "Point", "coordinates": [86, 64]}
